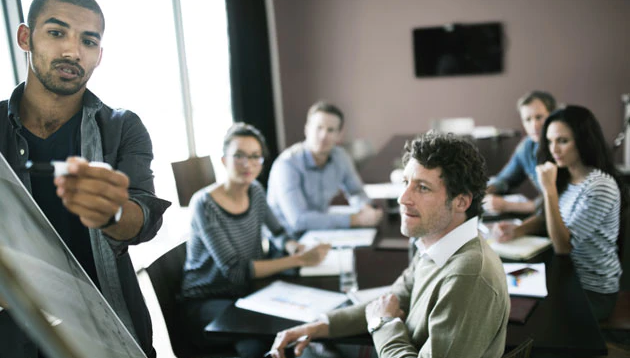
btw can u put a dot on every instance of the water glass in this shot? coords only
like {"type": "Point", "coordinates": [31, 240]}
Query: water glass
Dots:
{"type": "Point", "coordinates": [347, 270]}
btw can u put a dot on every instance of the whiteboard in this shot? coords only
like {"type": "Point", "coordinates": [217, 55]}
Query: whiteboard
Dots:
{"type": "Point", "coordinates": [54, 281]}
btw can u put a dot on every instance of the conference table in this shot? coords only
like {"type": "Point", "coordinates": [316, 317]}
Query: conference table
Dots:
{"type": "Point", "coordinates": [561, 324]}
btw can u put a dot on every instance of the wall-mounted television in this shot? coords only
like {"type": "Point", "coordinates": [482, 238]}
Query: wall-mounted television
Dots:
{"type": "Point", "coordinates": [458, 49]}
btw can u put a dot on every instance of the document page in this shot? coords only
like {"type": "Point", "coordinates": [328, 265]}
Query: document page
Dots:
{"type": "Point", "coordinates": [291, 301]}
{"type": "Point", "coordinates": [331, 266]}
{"type": "Point", "coordinates": [338, 238]}
{"type": "Point", "coordinates": [526, 279]}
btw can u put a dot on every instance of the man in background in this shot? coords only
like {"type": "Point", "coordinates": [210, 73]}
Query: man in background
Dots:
{"type": "Point", "coordinates": [308, 175]}
{"type": "Point", "coordinates": [97, 211]}
{"type": "Point", "coordinates": [534, 107]}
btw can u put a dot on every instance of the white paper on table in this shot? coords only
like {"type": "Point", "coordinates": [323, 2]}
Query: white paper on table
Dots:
{"type": "Point", "coordinates": [534, 285]}
{"type": "Point", "coordinates": [338, 238]}
{"type": "Point", "coordinates": [291, 301]}
{"type": "Point", "coordinates": [329, 267]}
{"type": "Point", "coordinates": [369, 294]}
{"type": "Point", "coordinates": [383, 190]}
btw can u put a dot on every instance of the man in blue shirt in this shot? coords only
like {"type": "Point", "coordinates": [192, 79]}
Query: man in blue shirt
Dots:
{"type": "Point", "coordinates": [534, 107]}
{"type": "Point", "coordinates": [308, 175]}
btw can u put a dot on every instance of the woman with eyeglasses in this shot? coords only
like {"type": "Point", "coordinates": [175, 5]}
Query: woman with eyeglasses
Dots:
{"type": "Point", "coordinates": [582, 194]}
{"type": "Point", "coordinates": [225, 251]}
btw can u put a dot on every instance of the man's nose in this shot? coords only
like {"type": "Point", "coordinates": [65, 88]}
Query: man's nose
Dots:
{"type": "Point", "coordinates": [403, 199]}
{"type": "Point", "coordinates": [71, 48]}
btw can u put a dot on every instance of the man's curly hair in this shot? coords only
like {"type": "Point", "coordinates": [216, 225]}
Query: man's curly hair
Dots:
{"type": "Point", "coordinates": [463, 168]}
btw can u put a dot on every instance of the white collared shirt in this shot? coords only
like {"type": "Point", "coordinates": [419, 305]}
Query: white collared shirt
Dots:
{"type": "Point", "coordinates": [445, 247]}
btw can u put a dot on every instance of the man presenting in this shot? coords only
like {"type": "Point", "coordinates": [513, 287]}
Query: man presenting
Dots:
{"type": "Point", "coordinates": [452, 300]}
{"type": "Point", "coordinates": [308, 175]}
{"type": "Point", "coordinates": [97, 211]}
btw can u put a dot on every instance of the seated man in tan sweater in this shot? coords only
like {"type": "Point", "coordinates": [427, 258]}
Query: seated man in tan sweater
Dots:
{"type": "Point", "coordinates": [452, 300]}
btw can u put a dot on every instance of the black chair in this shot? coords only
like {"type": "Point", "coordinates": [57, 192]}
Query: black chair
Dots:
{"type": "Point", "coordinates": [523, 350]}
{"type": "Point", "coordinates": [191, 175]}
{"type": "Point", "coordinates": [166, 274]}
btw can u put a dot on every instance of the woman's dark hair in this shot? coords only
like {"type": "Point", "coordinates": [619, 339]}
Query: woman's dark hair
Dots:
{"type": "Point", "coordinates": [241, 129]}
{"type": "Point", "coordinates": [590, 143]}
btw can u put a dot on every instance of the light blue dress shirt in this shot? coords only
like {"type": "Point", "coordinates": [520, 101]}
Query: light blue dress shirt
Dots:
{"type": "Point", "coordinates": [522, 165]}
{"type": "Point", "coordinates": [300, 192]}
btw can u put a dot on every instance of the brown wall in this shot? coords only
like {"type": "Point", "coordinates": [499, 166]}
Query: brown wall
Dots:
{"type": "Point", "coordinates": [358, 54]}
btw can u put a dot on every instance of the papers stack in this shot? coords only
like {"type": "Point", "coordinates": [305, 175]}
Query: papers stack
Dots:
{"type": "Point", "coordinates": [339, 238]}
{"type": "Point", "coordinates": [295, 302]}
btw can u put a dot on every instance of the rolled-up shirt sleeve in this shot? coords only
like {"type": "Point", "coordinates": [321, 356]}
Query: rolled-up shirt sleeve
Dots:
{"type": "Point", "coordinates": [133, 157]}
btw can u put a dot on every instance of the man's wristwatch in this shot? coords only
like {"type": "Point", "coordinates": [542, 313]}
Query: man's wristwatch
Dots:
{"type": "Point", "coordinates": [377, 322]}
{"type": "Point", "coordinates": [114, 219]}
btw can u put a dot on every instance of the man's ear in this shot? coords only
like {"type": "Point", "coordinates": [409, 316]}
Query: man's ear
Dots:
{"type": "Point", "coordinates": [462, 202]}
{"type": "Point", "coordinates": [24, 37]}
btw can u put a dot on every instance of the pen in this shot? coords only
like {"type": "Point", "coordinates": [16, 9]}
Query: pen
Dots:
{"type": "Point", "coordinates": [290, 345]}
{"type": "Point", "coordinates": [54, 168]}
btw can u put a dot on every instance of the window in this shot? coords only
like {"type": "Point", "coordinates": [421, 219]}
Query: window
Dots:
{"type": "Point", "coordinates": [7, 79]}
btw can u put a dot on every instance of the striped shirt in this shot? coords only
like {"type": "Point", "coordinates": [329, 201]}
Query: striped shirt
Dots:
{"type": "Point", "coordinates": [590, 210]}
{"type": "Point", "coordinates": [223, 246]}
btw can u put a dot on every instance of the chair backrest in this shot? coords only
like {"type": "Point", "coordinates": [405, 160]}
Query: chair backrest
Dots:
{"type": "Point", "coordinates": [523, 350]}
{"type": "Point", "coordinates": [166, 276]}
{"type": "Point", "coordinates": [191, 175]}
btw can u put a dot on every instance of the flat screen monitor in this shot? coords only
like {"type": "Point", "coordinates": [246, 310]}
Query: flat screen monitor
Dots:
{"type": "Point", "coordinates": [458, 49]}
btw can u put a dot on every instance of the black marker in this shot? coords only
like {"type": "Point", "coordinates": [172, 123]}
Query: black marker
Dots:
{"type": "Point", "coordinates": [54, 168]}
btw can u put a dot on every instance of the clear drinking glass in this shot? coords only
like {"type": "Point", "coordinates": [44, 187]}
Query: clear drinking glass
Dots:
{"type": "Point", "coordinates": [347, 270]}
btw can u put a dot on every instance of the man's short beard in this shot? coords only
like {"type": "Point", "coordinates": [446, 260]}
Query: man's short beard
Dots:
{"type": "Point", "coordinates": [47, 80]}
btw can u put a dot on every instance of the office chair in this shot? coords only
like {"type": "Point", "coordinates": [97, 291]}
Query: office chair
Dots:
{"type": "Point", "coordinates": [191, 175]}
{"type": "Point", "coordinates": [523, 350]}
{"type": "Point", "coordinates": [620, 317]}
{"type": "Point", "coordinates": [166, 275]}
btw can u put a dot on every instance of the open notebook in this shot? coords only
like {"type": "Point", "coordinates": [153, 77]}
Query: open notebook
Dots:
{"type": "Point", "coordinates": [522, 248]}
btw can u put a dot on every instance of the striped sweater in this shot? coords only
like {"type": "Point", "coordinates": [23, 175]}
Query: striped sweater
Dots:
{"type": "Point", "coordinates": [590, 210]}
{"type": "Point", "coordinates": [223, 246]}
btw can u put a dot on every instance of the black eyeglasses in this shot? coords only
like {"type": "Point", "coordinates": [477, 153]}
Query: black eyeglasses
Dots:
{"type": "Point", "coordinates": [241, 158]}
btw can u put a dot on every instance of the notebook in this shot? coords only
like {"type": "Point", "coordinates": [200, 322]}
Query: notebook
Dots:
{"type": "Point", "coordinates": [521, 308]}
{"type": "Point", "coordinates": [522, 248]}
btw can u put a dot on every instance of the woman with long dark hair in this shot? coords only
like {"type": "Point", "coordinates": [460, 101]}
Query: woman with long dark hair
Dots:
{"type": "Point", "coordinates": [583, 195]}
